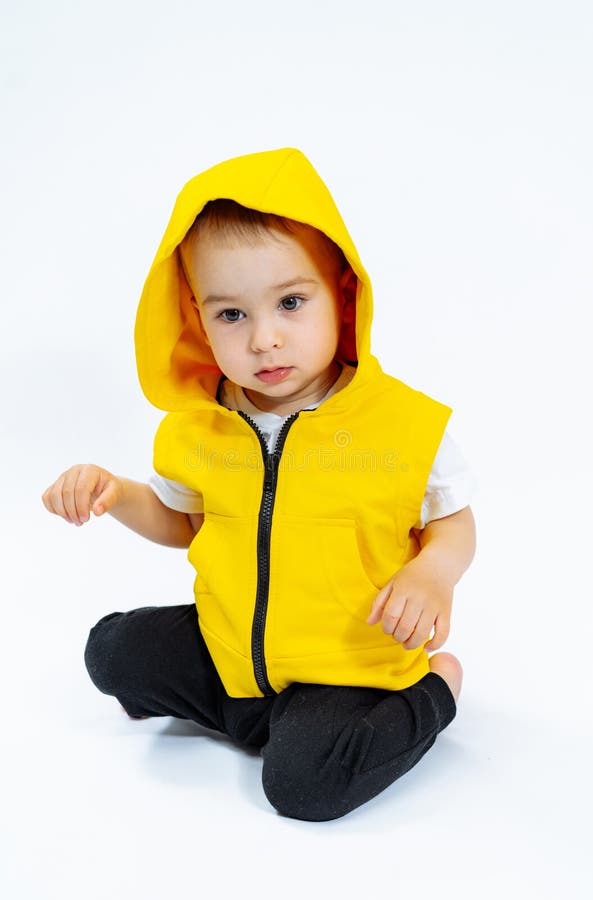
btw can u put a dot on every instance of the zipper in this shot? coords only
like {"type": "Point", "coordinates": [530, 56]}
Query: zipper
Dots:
{"type": "Point", "coordinates": [264, 533]}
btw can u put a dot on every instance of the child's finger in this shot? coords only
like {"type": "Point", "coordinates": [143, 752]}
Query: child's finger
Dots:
{"type": "Point", "coordinates": [421, 632]}
{"type": "Point", "coordinates": [88, 478]}
{"type": "Point", "coordinates": [441, 633]}
{"type": "Point", "coordinates": [403, 628]}
{"type": "Point", "coordinates": [69, 494]}
{"type": "Point", "coordinates": [106, 498]}
{"type": "Point", "coordinates": [394, 609]}
{"type": "Point", "coordinates": [46, 500]}
{"type": "Point", "coordinates": [54, 502]}
{"type": "Point", "coordinates": [378, 604]}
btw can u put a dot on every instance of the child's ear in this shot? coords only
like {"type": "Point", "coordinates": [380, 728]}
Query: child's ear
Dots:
{"type": "Point", "coordinates": [348, 285]}
{"type": "Point", "coordinates": [348, 282]}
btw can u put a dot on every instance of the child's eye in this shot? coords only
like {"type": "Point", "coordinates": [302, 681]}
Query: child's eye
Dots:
{"type": "Point", "coordinates": [291, 303]}
{"type": "Point", "coordinates": [231, 315]}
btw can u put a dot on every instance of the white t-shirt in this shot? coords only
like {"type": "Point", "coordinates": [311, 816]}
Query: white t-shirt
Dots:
{"type": "Point", "coordinates": [450, 487]}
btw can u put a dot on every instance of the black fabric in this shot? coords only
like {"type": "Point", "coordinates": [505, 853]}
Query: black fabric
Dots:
{"type": "Point", "coordinates": [326, 750]}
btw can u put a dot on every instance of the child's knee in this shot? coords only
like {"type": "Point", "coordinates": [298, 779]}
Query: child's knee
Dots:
{"type": "Point", "coordinates": [311, 761]}
{"type": "Point", "coordinates": [299, 790]}
{"type": "Point", "coordinates": [102, 655]}
{"type": "Point", "coordinates": [306, 776]}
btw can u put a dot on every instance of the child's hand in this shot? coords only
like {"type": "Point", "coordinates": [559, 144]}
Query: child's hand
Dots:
{"type": "Point", "coordinates": [81, 490]}
{"type": "Point", "coordinates": [413, 602]}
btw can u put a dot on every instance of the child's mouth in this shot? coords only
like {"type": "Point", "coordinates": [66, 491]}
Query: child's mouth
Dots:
{"type": "Point", "coordinates": [272, 376]}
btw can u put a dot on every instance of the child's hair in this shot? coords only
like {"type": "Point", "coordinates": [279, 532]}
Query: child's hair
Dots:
{"type": "Point", "coordinates": [227, 217]}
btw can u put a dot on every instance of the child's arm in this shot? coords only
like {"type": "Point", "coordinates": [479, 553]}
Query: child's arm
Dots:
{"type": "Point", "coordinates": [84, 489]}
{"type": "Point", "coordinates": [419, 596]}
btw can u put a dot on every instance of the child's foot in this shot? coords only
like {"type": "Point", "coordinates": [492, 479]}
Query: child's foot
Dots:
{"type": "Point", "coordinates": [134, 717]}
{"type": "Point", "coordinates": [449, 668]}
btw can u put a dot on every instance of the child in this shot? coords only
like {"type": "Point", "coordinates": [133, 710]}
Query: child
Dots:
{"type": "Point", "coordinates": [326, 531]}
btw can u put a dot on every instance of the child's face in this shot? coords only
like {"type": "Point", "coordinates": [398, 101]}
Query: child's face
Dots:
{"type": "Point", "coordinates": [277, 340]}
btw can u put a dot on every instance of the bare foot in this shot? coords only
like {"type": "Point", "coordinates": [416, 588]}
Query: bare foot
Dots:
{"type": "Point", "coordinates": [449, 668]}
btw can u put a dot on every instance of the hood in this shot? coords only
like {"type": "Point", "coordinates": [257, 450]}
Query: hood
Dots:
{"type": "Point", "coordinates": [175, 365]}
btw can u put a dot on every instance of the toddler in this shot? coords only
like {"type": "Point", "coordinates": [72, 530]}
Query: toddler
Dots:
{"type": "Point", "coordinates": [324, 505]}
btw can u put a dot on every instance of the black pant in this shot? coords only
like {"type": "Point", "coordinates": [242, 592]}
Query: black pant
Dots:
{"type": "Point", "coordinates": [326, 750]}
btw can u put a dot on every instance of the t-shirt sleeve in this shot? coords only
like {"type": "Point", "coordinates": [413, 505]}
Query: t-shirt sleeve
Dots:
{"type": "Point", "coordinates": [451, 484]}
{"type": "Point", "coordinates": [175, 495]}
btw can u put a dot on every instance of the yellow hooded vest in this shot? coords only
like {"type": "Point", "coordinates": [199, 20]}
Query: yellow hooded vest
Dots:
{"type": "Point", "coordinates": [296, 543]}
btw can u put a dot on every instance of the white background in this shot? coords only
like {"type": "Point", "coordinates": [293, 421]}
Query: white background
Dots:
{"type": "Point", "coordinates": [456, 139]}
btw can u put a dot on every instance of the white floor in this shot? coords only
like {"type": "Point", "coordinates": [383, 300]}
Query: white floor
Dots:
{"type": "Point", "coordinates": [96, 805]}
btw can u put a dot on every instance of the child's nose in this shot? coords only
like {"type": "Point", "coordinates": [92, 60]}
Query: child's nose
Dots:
{"type": "Point", "coordinates": [264, 336]}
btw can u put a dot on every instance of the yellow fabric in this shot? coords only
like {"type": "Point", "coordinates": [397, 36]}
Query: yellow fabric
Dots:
{"type": "Point", "coordinates": [351, 479]}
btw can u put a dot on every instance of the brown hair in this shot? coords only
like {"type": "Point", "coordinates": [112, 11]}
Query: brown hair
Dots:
{"type": "Point", "coordinates": [227, 217]}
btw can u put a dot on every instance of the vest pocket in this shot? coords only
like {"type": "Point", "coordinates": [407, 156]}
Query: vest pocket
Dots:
{"type": "Point", "coordinates": [318, 574]}
{"type": "Point", "coordinates": [349, 580]}
{"type": "Point", "coordinates": [222, 553]}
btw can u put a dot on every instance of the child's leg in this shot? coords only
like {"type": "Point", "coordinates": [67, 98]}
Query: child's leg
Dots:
{"type": "Point", "coordinates": [155, 661]}
{"type": "Point", "coordinates": [333, 748]}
